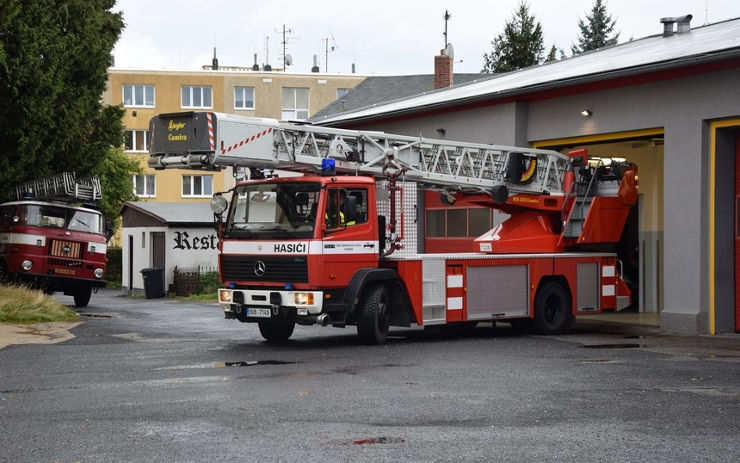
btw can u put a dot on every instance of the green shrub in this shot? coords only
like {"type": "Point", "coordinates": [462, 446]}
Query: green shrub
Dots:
{"type": "Point", "coordinates": [209, 283]}
{"type": "Point", "coordinates": [19, 304]}
{"type": "Point", "coordinates": [114, 267]}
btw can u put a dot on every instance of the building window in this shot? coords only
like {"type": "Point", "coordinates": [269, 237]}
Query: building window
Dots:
{"type": "Point", "coordinates": [295, 103]}
{"type": "Point", "coordinates": [141, 96]}
{"type": "Point", "coordinates": [341, 92]}
{"type": "Point", "coordinates": [196, 97]}
{"type": "Point", "coordinates": [197, 186]}
{"type": "Point", "coordinates": [144, 185]}
{"type": "Point", "coordinates": [136, 140]}
{"type": "Point", "coordinates": [243, 98]}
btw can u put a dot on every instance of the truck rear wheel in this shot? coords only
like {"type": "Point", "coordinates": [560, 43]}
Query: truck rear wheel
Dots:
{"type": "Point", "coordinates": [552, 310]}
{"type": "Point", "coordinates": [373, 320]}
{"type": "Point", "coordinates": [273, 332]}
{"type": "Point", "coordinates": [82, 296]}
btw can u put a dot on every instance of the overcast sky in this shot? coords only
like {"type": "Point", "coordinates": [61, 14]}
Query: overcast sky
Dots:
{"type": "Point", "coordinates": [379, 36]}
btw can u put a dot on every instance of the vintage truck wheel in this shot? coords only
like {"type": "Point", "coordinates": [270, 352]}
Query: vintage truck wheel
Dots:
{"type": "Point", "coordinates": [82, 297]}
{"type": "Point", "coordinates": [273, 332]}
{"type": "Point", "coordinates": [373, 320]}
{"type": "Point", "coordinates": [552, 310]}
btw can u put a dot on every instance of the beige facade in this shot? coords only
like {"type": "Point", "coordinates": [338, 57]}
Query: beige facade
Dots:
{"type": "Point", "coordinates": [145, 93]}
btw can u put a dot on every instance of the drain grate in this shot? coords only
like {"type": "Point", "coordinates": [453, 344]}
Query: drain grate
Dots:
{"type": "Point", "coordinates": [95, 315]}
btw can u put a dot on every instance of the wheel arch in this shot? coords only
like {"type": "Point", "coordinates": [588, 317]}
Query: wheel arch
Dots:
{"type": "Point", "coordinates": [558, 279]}
{"type": "Point", "coordinates": [402, 315]}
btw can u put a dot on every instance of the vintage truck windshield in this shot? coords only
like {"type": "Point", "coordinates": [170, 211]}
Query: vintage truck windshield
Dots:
{"type": "Point", "coordinates": [65, 218]}
{"type": "Point", "coordinates": [273, 210]}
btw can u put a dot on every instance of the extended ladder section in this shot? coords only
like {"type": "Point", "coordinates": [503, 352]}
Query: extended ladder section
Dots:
{"type": "Point", "coordinates": [60, 187]}
{"type": "Point", "coordinates": [207, 140]}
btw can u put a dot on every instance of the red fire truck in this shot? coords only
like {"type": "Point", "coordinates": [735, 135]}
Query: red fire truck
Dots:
{"type": "Point", "coordinates": [339, 243]}
{"type": "Point", "coordinates": [50, 243]}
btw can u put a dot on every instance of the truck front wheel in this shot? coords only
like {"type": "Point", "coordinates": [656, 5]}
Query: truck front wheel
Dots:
{"type": "Point", "coordinates": [552, 309]}
{"type": "Point", "coordinates": [82, 296]}
{"type": "Point", "coordinates": [276, 333]}
{"type": "Point", "coordinates": [374, 317]}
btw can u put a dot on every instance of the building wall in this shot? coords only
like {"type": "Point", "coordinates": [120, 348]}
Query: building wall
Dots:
{"type": "Point", "coordinates": [167, 87]}
{"type": "Point", "coordinates": [185, 247]}
{"type": "Point", "coordinates": [683, 107]}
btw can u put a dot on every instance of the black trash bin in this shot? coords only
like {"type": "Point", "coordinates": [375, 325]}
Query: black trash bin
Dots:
{"type": "Point", "coordinates": [153, 282]}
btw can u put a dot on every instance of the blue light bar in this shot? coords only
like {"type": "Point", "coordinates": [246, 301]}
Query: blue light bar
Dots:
{"type": "Point", "coordinates": [328, 167]}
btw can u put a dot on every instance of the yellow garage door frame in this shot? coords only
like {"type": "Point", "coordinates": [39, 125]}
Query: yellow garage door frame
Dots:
{"type": "Point", "coordinates": [713, 127]}
{"type": "Point", "coordinates": [599, 138]}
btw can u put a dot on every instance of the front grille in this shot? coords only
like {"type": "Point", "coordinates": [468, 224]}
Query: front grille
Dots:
{"type": "Point", "coordinates": [283, 269]}
{"type": "Point", "coordinates": [64, 262]}
{"type": "Point", "coordinates": [68, 249]}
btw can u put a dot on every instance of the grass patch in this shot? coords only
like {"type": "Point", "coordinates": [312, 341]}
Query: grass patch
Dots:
{"type": "Point", "coordinates": [19, 304]}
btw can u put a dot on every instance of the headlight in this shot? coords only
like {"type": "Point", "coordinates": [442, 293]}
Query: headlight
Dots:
{"type": "Point", "coordinates": [26, 265]}
{"type": "Point", "coordinates": [224, 295]}
{"type": "Point", "coordinates": [98, 273]}
{"type": "Point", "coordinates": [304, 298]}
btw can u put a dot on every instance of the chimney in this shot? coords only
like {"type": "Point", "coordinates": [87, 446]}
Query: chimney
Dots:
{"type": "Point", "coordinates": [315, 67]}
{"type": "Point", "coordinates": [684, 25]}
{"type": "Point", "coordinates": [214, 63]}
{"type": "Point", "coordinates": [442, 70]}
{"type": "Point", "coordinates": [255, 66]}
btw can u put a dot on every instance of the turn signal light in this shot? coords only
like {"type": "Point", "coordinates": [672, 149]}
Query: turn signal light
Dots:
{"type": "Point", "coordinates": [304, 298]}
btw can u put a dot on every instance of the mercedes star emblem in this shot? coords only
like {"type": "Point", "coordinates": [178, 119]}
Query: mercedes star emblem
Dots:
{"type": "Point", "coordinates": [259, 268]}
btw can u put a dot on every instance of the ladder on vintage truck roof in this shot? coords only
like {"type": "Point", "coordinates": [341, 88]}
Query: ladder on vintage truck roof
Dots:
{"type": "Point", "coordinates": [209, 140]}
{"type": "Point", "coordinates": [60, 187]}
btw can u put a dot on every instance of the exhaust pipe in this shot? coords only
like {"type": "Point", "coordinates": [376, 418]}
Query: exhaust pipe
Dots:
{"type": "Point", "coordinates": [322, 319]}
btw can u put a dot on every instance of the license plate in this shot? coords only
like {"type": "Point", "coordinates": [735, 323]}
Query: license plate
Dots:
{"type": "Point", "coordinates": [257, 312]}
{"type": "Point", "coordinates": [64, 271]}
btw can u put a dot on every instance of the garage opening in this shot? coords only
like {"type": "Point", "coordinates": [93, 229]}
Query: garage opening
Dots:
{"type": "Point", "coordinates": [641, 247]}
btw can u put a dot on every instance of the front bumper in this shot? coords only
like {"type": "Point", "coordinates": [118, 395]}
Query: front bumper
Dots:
{"type": "Point", "coordinates": [301, 303]}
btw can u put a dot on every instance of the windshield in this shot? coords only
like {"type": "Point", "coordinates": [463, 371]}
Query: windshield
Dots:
{"type": "Point", "coordinates": [60, 217]}
{"type": "Point", "coordinates": [273, 210]}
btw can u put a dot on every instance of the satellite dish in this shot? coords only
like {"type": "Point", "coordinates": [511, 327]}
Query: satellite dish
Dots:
{"type": "Point", "coordinates": [450, 51]}
{"type": "Point", "coordinates": [288, 60]}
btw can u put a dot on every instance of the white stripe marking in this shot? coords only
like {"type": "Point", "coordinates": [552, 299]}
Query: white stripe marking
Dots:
{"type": "Point", "coordinates": [454, 303]}
{"type": "Point", "coordinates": [608, 271]}
{"type": "Point", "coordinates": [607, 290]}
{"type": "Point", "coordinates": [454, 281]}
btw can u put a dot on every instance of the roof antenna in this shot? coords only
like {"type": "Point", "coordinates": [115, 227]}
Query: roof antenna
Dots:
{"type": "Point", "coordinates": [447, 17]}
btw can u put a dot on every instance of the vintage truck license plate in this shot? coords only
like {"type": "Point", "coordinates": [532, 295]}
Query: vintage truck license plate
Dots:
{"type": "Point", "coordinates": [64, 271]}
{"type": "Point", "coordinates": [257, 312]}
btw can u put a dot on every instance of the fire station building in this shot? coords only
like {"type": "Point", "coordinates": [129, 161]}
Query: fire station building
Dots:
{"type": "Point", "coordinates": [670, 103]}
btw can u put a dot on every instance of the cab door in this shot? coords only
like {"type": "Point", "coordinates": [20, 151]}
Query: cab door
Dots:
{"type": "Point", "coordinates": [350, 233]}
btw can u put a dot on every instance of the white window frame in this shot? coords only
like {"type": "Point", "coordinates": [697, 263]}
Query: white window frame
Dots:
{"type": "Point", "coordinates": [146, 194]}
{"type": "Point", "coordinates": [192, 89]}
{"type": "Point", "coordinates": [204, 194]}
{"type": "Point", "coordinates": [143, 88]}
{"type": "Point", "coordinates": [135, 134]}
{"type": "Point", "coordinates": [243, 90]}
{"type": "Point", "coordinates": [290, 112]}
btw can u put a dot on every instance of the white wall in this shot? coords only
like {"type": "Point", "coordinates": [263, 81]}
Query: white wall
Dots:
{"type": "Point", "coordinates": [185, 247]}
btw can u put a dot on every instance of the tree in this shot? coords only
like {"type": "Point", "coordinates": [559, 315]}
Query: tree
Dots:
{"type": "Point", "coordinates": [520, 45]}
{"type": "Point", "coordinates": [595, 30]}
{"type": "Point", "coordinates": [552, 55]}
{"type": "Point", "coordinates": [54, 56]}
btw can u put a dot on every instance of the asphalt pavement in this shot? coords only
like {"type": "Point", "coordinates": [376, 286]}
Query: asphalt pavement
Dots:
{"type": "Point", "coordinates": [166, 380]}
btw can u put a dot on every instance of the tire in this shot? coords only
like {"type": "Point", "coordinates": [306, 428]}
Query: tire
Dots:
{"type": "Point", "coordinates": [82, 297]}
{"type": "Point", "coordinates": [373, 320]}
{"type": "Point", "coordinates": [276, 333]}
{"type": "Point", "coordinates": [552, 309]}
